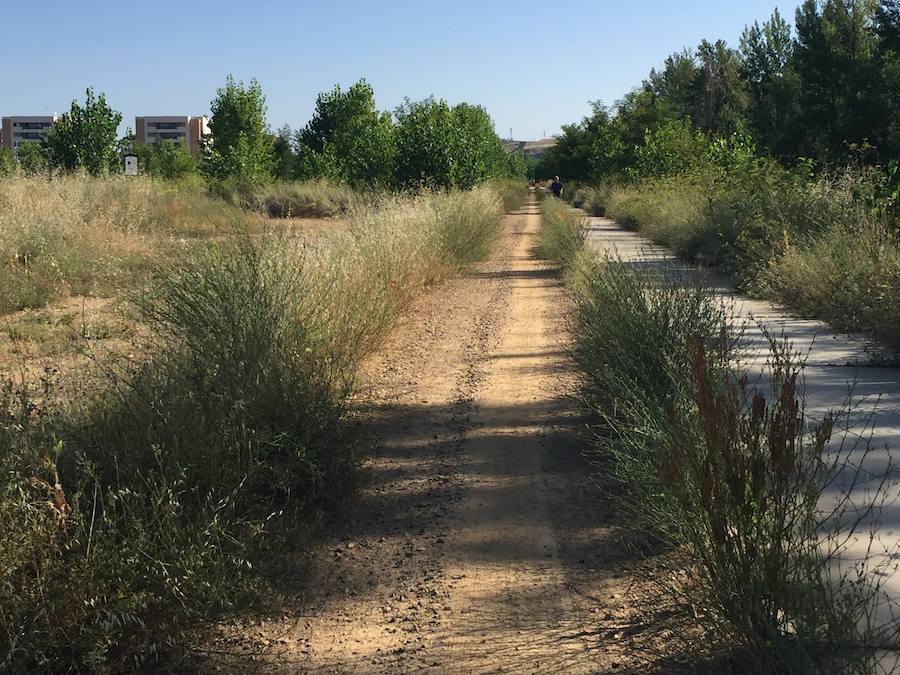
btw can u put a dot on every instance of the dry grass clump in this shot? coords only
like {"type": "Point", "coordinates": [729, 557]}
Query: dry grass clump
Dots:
{"type": "Point", "coordinates": [513, 192]}
{"type": "Point", "coordinates": [317, 198]}
{"type": "Point", "coordinates": [592, 200]}
{"type": "Point", "coordinates": [670, 213]}
{"type": "Point", "coordinates": [141, 503]}
{"type": "Point", "coordinates": [562, 234]}
{"type": "Point", "coordinates": [392, 252]}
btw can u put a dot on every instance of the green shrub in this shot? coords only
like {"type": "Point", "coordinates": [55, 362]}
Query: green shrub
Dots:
{"type": "Point", "coordinates": [739, 218]}
{"type": "Point", "coordinates": [98, 575]}
{"type": "Point", "coordinates": [8, 163]}
{"type": "Point", "coordinates": [169, 160]}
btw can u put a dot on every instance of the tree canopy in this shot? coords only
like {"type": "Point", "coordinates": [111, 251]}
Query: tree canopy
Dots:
{"type": "Point", "coordinates": [85, 137]}
{"type": "Point", "coordinates": [829, 93]}
{"type": "Point", "coordinates": [348, 139]}
{"type": "Point", "coordinates": [240, 145]}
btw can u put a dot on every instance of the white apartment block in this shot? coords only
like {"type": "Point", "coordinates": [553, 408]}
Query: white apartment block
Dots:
{"type": "Point", "coordinates": [17, 131]}
{"type": "Point", "coordinates": [188, 130]}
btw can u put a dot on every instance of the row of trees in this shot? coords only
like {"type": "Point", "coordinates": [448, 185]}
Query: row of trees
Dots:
{"type": "Point", "coordinates": [423, 143]}
{"type": "Point", "coordinates": [828, 91]}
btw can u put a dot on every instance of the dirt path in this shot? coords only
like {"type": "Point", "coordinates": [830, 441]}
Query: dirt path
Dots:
{"type": "Point", "coordinates": [478, 542]}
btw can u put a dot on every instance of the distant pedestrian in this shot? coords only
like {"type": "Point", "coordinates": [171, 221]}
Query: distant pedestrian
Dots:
{"type": "Point", "coordinates": [556, 187]}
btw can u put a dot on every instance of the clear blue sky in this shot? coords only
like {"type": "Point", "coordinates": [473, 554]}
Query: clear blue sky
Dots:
{"type": "Point", "coordinates": [533, 65]}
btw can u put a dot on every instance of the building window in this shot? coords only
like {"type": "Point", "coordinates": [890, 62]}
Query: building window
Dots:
{"type": "Point", "coordinates": [165, 125]}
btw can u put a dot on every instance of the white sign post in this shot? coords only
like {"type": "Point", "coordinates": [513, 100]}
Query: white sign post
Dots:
{"type": "Point", "coordinates": [131, 166]}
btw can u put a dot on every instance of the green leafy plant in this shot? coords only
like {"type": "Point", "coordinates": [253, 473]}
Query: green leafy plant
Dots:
{"type": "Point", "coordinates": [240, 146]}
{"type": "Point", "coordinates": [85, 137]}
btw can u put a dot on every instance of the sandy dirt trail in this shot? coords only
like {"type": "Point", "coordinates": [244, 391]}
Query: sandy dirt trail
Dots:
{"type": "Point", "coordinates": [478, 541]}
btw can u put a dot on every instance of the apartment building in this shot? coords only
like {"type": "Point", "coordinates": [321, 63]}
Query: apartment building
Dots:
{"type": "Point", "coordinates": [188, 130]}
{"type": "Point", "coordinates": [19, 130]}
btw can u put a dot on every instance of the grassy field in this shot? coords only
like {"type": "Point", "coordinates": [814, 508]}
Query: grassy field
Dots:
{"type": "Point", "coordinates": [141, 486]}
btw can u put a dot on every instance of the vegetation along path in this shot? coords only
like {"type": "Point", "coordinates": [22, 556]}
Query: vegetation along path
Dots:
{"type": "Point", "coordinates": [840, 370]}
{"type": "Point", "coordinates": [478, 543]}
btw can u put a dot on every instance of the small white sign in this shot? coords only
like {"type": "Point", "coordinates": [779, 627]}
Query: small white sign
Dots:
{"type": "Point", "coordinates": [131, 167]}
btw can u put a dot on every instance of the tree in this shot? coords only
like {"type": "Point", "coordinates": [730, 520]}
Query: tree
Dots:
{"type": "Point", "coordinates": [479, 154]}
{"type": "Point", "coordinates": [8, 164]}
{"type": "Point", "coordinates": [887, 24]}
{"type": "Point", "coordinates": [584, 151]}
{"type": "Point", "coordinates": [85, 137]}
{"type": "Point", "coordinates": [676, 87]}
{"type": "Point", "coordinates": [722, 103]}
{"type": "Point", "coordinates": [285, 159]}
{"type": "Point", "coordinates": [766, 52]}
{"type": "Point", "coordinates": [836, 58]}
{"type": "Point", "coordinates": [426, 139]}
{"type": "Point", "coordinates": [887, 27]}
{"type": "Point", "coordinates": [638, 111]}
{"type": "Point", "coordinates": [170, 160]}
{"type": "Point", "coordinates": [240, 145]}
{"type": "Point", "coordinates": [517, 166]}
{"type": "Point", "coordinates": [348, 139]}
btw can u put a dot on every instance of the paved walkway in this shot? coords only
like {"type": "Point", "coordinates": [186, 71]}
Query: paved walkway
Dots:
{"type": "Point", "coordinates": [838, 366]}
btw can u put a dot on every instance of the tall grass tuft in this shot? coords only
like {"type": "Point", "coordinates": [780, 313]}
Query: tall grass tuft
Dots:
{"type": "Point", "coordinates": [513, 192]}
{"type": "Point", "coordinates": [562, 233]}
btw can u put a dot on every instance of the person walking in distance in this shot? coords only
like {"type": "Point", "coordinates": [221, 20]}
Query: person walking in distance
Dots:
{"type": "Point", "coordinates": [556, 187]}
